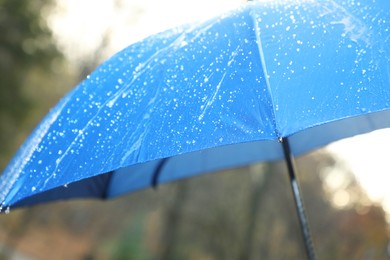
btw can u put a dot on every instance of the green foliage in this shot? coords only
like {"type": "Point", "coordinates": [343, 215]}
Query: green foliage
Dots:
{"type": "Point", "coordinates": [130, 244]}
{"type": "Point", "coordinates": [26, 46]}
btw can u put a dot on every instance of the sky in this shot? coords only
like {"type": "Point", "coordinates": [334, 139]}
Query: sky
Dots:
{"type": "Point", "coordinates": [79, 25]}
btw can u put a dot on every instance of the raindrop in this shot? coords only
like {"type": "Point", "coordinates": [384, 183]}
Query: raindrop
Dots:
{"type": "Point", "coordinates": [33, 188]}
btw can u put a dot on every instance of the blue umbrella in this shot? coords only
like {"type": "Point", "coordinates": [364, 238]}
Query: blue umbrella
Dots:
{"type": "Point", "coordinates": [265, 82]}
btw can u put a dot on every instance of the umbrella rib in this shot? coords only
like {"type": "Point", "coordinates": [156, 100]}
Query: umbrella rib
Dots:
{"type": "Point", "coordinates": [106, 190]}
{"type": "Point", "coordinates": [266, 76]}
{"type": "Point", "coordinates": [157, 173]}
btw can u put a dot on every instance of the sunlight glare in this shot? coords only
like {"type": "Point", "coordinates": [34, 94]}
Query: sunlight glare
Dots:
{"type": "Point", "coordinates": [367, 157]}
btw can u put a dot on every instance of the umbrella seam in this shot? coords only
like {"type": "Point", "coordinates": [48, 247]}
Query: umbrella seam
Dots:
{"type": "Point", "coordinates": [262, 60]}
{"type": "Point", "coordinates": [106, 191]}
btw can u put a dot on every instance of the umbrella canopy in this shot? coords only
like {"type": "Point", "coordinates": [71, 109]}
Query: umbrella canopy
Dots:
{"type": "Point", "coordinates": [212, 95]}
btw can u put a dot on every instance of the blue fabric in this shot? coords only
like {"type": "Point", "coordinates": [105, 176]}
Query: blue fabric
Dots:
{"type": "Point", "coordinates": [210, 96]}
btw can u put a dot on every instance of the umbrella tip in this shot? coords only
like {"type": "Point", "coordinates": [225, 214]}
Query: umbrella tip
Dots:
{"type": "Point", "coordinates": [156, 175]}
{"type": "Point", "coordinates": [154, 185]}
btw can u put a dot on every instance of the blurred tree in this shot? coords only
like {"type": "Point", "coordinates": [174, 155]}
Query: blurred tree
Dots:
{"type": "Point", "coordinates": [172, 218]}
{"type": "Point", "coordinates": [28, 60]}
{"type": "Point", "coordinates": [25, 45]}
{"type": "Point", "coordinates": [249, 213]}
{"type": "Point", "coordinates": [356, 230]}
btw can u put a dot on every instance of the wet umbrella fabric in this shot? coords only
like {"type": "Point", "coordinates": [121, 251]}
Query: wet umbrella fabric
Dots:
{"type": "Point", "coordinates": [209, 96]}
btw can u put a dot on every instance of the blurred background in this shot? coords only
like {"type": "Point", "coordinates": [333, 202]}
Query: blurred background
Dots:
{"type": "Point", "coordinates": [48, 46]}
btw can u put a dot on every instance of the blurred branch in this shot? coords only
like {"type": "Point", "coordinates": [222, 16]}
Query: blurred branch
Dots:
{"type": "Point", "coordinates": [172, 220]}
{"type": "Point", "coordinates": [258, 190]}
